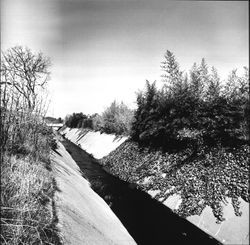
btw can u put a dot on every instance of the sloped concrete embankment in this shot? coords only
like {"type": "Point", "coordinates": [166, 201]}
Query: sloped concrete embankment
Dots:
{"type": "Point", "coordinates": [234, 230]}
{"type": "Point", "coordinates": [83, 216]}
{"type": "Point", "coordinates": [147, 220]}
{"type": "Point", "coordinates": [95, 143]}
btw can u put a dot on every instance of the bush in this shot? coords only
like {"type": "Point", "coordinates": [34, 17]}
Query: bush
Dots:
{"type": "Point", "coordinates": [198, 103]}
{"type": "Point", "coordinates": [116, 119]}
{"type": "Point", "coordinates": [76, 120]}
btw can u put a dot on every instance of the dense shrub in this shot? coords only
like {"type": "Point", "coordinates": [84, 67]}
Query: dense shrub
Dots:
{"type": "Point", "coordinates": [116, 119]}
{"type": "Point", "coordinates": [199, 103]}
{"type": "Point", "coordinates": [76, 120]}
{"type": "Point", "coordinates": [189, 137]}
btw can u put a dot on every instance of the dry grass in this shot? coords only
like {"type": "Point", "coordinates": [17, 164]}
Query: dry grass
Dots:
{"type": "Point", "coordinates": [27, 187]}
{"type": "Point", "coordinates": [27, 190]}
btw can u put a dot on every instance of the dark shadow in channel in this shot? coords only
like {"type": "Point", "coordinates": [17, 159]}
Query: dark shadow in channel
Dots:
{"type": "Point", "coordinates": [147, 220]}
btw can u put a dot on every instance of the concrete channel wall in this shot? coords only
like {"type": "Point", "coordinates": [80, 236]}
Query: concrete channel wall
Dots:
{"type": "Point", "coordinates": [95, 143]}
{"type": "Point", "coordinates": [234, 230]}
{"type": "Point", "coordinates": [83, 216]}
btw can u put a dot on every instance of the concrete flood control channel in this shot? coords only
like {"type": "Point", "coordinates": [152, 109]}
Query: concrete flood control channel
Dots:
{"type": "Point", "coordinates": [147, 220]}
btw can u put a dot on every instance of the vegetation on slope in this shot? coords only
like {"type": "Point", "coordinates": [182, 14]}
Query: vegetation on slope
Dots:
{"type": "Point", "coordinates": [27, 185]}
{"type": "Point", "coordinates": [192, 110]}
{"type": "Point", "coordinates": [207, 179]}
{"type": "Point", "coordinates": [190, 137]}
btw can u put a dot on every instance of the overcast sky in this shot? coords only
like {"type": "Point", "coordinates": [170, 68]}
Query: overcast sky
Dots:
{"type": "Point", "coordinates": [103, 50]}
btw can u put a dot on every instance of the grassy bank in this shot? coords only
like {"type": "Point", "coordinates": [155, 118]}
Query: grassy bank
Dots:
{"type": "Point", "coordinates": [27, 193]}
{"type": "Point", "coordinates": [206, 179]}
{"type": "Point", "coordinates": [27, 186]}
{"type": "Point", "coordinates": [27, 215]}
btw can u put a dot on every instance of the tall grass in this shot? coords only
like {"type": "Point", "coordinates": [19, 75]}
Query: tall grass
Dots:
{"type": "Point", "coordinates": [27, 202]}
{"type": "Point", "coordinates": [27, 186]}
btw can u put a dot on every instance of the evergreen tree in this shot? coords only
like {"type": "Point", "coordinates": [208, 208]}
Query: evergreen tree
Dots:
{"type": "Point", "coordinates": [214, 86]}
{"type": "Point", "coordinates": [146, 113]}
{"type": "Point", "coordinates": [172, 74]}
{"type": "Point", "coordinates": [193, 110]}
{"type": "Point", "coordinates": [199, 78]}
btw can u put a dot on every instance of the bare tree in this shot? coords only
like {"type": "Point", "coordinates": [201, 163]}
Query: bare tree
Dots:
{"type": "Point", "coordinates": [22, 102]}
{"type": "Point", "coordinates": [25, 72]}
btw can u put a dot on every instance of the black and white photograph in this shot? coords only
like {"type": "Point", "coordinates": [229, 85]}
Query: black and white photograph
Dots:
{"type": "Point", "coordinates": [124, 122]}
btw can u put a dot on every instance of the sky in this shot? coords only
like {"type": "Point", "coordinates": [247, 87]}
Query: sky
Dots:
{"type": "Point", "coordinates": [105, 50]}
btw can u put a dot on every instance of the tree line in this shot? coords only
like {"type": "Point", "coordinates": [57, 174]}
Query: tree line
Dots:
{"type": "Point", "coordinates": [192, 108]}
{"type": "Point", "coordinates": [189, 108]}
{"type": "Point", "coordinates": [116, 119]}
